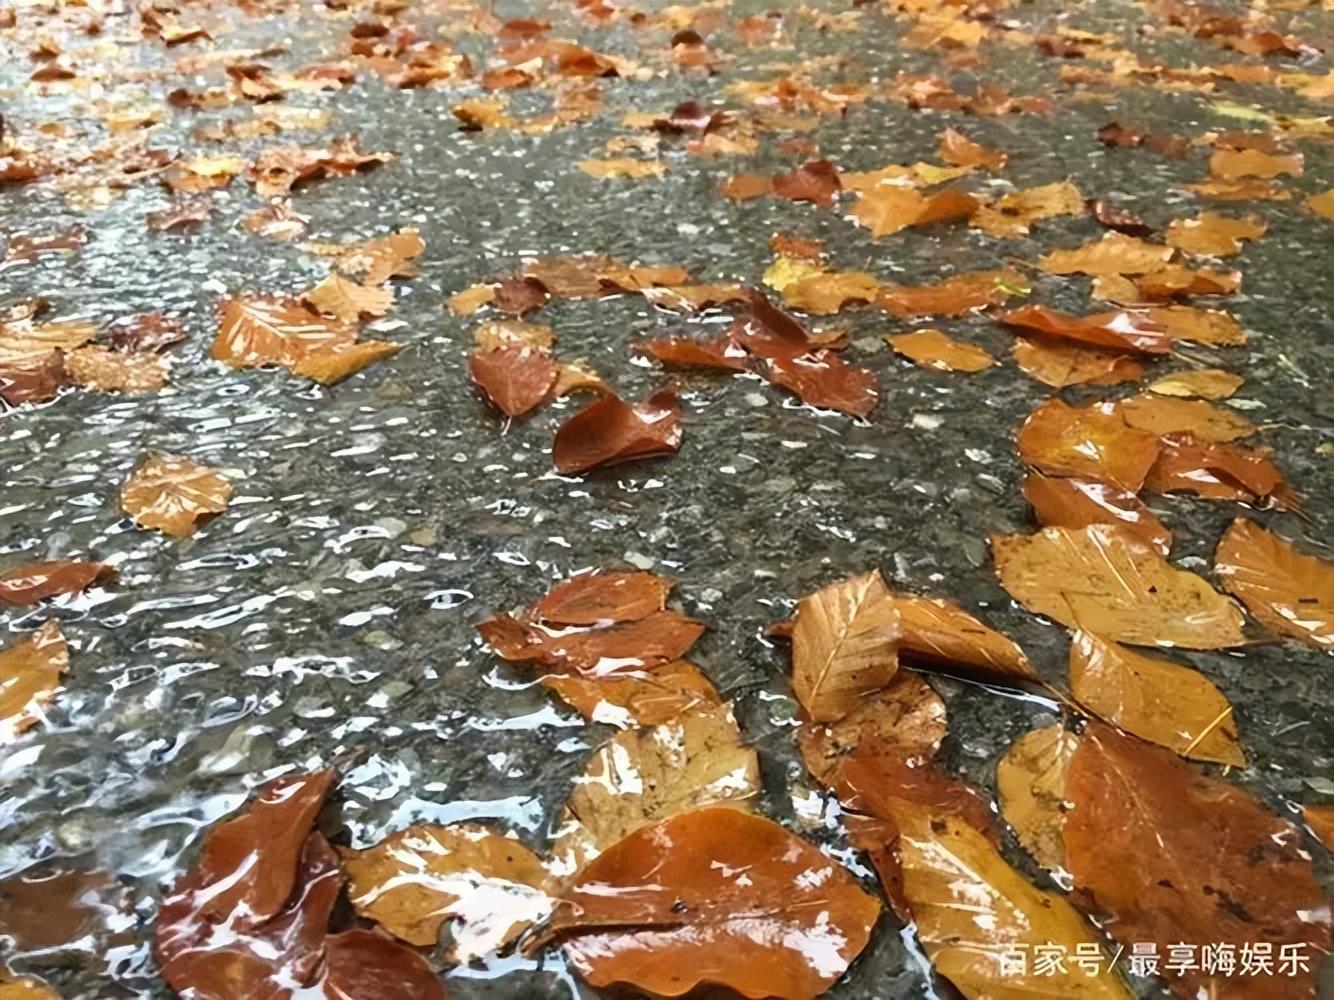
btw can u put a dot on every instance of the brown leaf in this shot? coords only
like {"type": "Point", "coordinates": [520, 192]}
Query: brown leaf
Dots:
{"type": "Point", "coordinates": [933, 349]}
{"type": "Point", "coordinates": [1176, 281]}
{"type": "Point", "coordinates": [1291, 592]}
{"type": "Point", "coordinates": [816, 181]}
{"type": "Point", "coordinates": [518, 295]}
{"type": "Point", "coordinates": [1103, 579]}
{"type": "Point", "coordinates": [887, 209]}
{"type": "Point", "coordinates": [105, 370]}
{"type": "Point", "coordinates": [664, 910]}
{"type": "Point", "coordinates": [600, 598]}
{"type": "Point", "coordinates": [514, 379]}
{"type": "Point", "coordinates": [1172, 857]}
{"type": "Point", "coordinates": [35, 582]}
{"type": "Point", "coordinates": [277, 220]}
{"type": "Point", "coordinates": [327, 365]}
{"type": "Point", "coordinates": [1113, 254]}
{"type": "Point", "coordinates": [1320, 819]}
{"type": "Point", "coordinates": [611, 431]}
{"type": "Point", "coordinates": [1322, 204]}
{"type": "Point", "coordinates": [30, 672]}
{"type": "Point", "coordinates": [486, 886]}
{"type": "Point", "coordinates": [32, 380]}
{"type": "Point", "coordinates": [647, 643]}
{"type": "Point", "coordinates": [182, 213]}
{"type": "Point", "coordinates": [1092, 442]}
{"type": "Point", "coordinates": [1011, 215]}
{"type": "Point", "coordinates": [643, 776]}
{"type": "Point", "coordinates": [825, 293]}
{"type": "Point", "coordinates": [172, 494]}
{"type": "Point", "coordinates": [278, 169]}
{"type": "Point", "coordinates": [826, 381]}
{"type": "Point", "coordinates": [636, 698]}
{"type": "Point", "coordinates": [1061, 363]}
{"type": "Point", "coordinates": [1167, 415]}
{"type": "Point", "coordinates": [348, 301]}
{"type": "Point", "coordinates": [1077, 503]}
{"type": "Point", "coordinates": [146, 332]}
{"type": "Point", "coordinates": [844, 645]}
{"type": "Point", "coordinates": [1119, 330]}
{"type": "Point", "coordinates": [1215, 235]}
{"type": "Point", "coordinates": [1030, 780]}
{"type": "Point", "coordinates": [744, 187]}
{"type": "Point", "coordinates": [1232, 164]}
{"type": "Point", "coordinates": [958, 150]}
{"type": "Point", "coordinates": [1200, 326]}
{"type": "Point", "coordinates": [956, 296]}
{"type": "Point", "coordinates": [939, 635]}
{"type": "Point", "coordinates": [500, 333]}
{"type": "Point", "coordinates": [1154, 699]}
{"type": "Point", "coordinates": [256, 331]}
{"type": "Point", "coordinates": [1198, 383]}
{"type": "Point", "coordinates": [721, 352]}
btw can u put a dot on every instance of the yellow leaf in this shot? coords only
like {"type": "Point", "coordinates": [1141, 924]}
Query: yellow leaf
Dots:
{"type": "Point", "coordinates": [172, 493]}
{"type": "Point", "coordinates": [1030, 780]}
{"type": "Point", "coordinates": [933, 349]}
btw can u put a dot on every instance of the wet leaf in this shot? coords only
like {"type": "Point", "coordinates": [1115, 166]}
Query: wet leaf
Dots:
{"type": "Point", "coordinates": [255, 331]}
{"type": "Point", "coordinates": [327, 365]}
{"type": "Point", "coordinates": [1031, 782]}
{"type": "Point", "coordinates": [622, 167]}
{"type": "Point", "coordinates": [172, 493]}
{"type": "Point", "coordinates": [515, 379]}
{"type": "Point", "coordinates": [1232, 164]}
{"type": "Point", "coordinates": [348, 301]}
{"type": "Point", "coordinates": [1091, 442]}
{"type": "Point", "coordinates": [1214, 235]}
{"type": "Point", "coordinates": [887, 209]}
{"type": "Point", "coordinates": [816, 181]}
{"type": "Point", "coordinates": [611, 431]}
{"type": "Point", "coordinates": [643, 776]}
{"type": "Point", "coordinates": [500, 333]}
{"type": "Point", "coordinates": [665, 910]}
{"type": "Point", "coordinates": [1176, 281]}
{"type": "Point", "coordinates": [30, 673]}
{"type": "Point", "coordinates": [144, 333]}
{"type": "Point", "coordinates": [1172, 857]}
{"type": "Point", "coordinates": [1167, 415]}
{"type": "Point", "coordinates": [1154, 699]}
{"type": "Point", "coordinates": [1077, 503]}
{"type": "Point", "coordinates": [34, 582]}
{"type": "Point", "coordinates": [1113, 254]}
{"type": "Point", "coordinates": [1216, 472]}
{"type": "Point", "coordinates": [938, 634]}
{"type": "Point", "coordinates": [972, 909]}
{"type": "Point", "coordinates": [1321, 821]}
{"type": "Point", "coordinates": [1285, 589]}
{"type": "Point", "coordinates": [720, 352]}
{"type": "Point", "coordinates": [1117, 330]}
{"type": "Point", "coordinates": [958, 150]}
{"type": "Point", "coordinates": [1061, 363]}
{"type": "Point", "coordinates": [1103, 579]}
{"type": "Point", "coordinates": [825, 380]}
{"type": "Point", "coordinates": [933, 349]}
{"type": "Point", "coordinates": [1200, 326]}
{"type": "Point", "coordinates": [844, 645]}
{"type": "Point", "coordinates": [956, 296]}
{"type": "Point", "coordinates": [32, 380]}
{"type": "Point", "coordinates": [826, 292]}
{"type": "Point", "coordinates": [1012, 215]}
{"type": "Point", "coordinates": [1198, 383]}
{"type": "Point", "coordinates": [603, 598]}
{"type": "Point", "coordinates": [487, 887]}
{"type": "Point", "coordinates": [638, 697]}
{"type": "Point", "coordinates": [105, 370]}
{"type": "Point", "coordinates": [659, 638]}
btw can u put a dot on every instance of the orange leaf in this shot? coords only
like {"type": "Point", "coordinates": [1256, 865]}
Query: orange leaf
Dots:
{"type": "Point", "coordinates": [1291, 592]}
{"type": "Point", "coordinates": [36, 582]}
{"type": "Point", "coordinates": [1077, 503]}
{"type": "Point", "coordinates": [933, 349]}
{"type": "Point", "coordinates": [30, 672]}
{"type": "Point", "coordinates": [515, 379]}
{"type": "Point", "coordinates": [611, 431]}
{"type": "Point", "coordinates": [1091, 442]}
{"type": "Point", "coordinates": [172, 494]}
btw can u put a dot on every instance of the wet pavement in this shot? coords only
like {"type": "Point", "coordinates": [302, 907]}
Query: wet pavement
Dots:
{"type": "Point", "coordinates": [327, 617]}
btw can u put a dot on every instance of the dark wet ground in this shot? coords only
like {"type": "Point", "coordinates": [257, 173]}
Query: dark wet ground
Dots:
{"type": "Point", "coordinates": [327, 616]}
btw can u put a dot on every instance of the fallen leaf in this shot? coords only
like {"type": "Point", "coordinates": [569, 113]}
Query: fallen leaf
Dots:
{"type": "Point", "coordinates": [826, 292]}
{"type": "Point", "coordinates": [1232, 164]}
{"type": "Point", "coordinates": [933, 349]}
{"type": "Point", "coordinates": [1030, 781]}
{"type": "Point", "coordinates": [636, 698]}
{"type": "Point", "coordinates": [1240, 189]}
{"type": "Point", "coordinates": [1012, 215]}
{"type": "Point", "coordinates": [500, 333]}
{"type": "Point", "coordinates": [1061, 363]}
{"type": "Point", "coordinates": [1321, 821]}
{"type": "Point", "coordinates": [472, 298]}
{"type": "Point", "coordinates": [1091, 442]}
{"type": "Point", "coordinates": [519, 294]}
{"type": "Point", "coordinates": [665, 911]}
{"type": "Point", "coordinates": [327, 365]}
{"type": "Point", "coordinates": [1175, 281]}
{"type": "Point", "coordinates": [958, 150]}
{"type": "Point", "coordinates": [1171, 857]}
{"type": "Point", "coordinates": [1214, 235]}
{"type": "Point", "coordinates": [33, 380]}
{"type": "Point", "coordinates": [1117, 330]}
{"type": "Point", "coordinates": [956, 296]}
{"type": "Point", "coordinates": [1167, 415]}
{"type": "Point", "coordinates": [745, 187]}
{"type": "Point", "coordinates": [35, 582]}
{"type": "Point", "coordinates": [1077, 503]}
{"type": "Point", "coordinates": [183, 213]}
{"type": "Point", "coordinates": [844, 645]}
{"type": "Point", "coordinates": [487, 887]}
{"type": "Point", "coordinates": [1285, 589]}
{"type": "Point", "coordinates": [30, 673]}
{"type": "Point", "coordinates": [255, 331]}
{"type": "Point", "coordinates": [1198, 383]}
{"type": "Point", "coordinates": [972, 910]}
{"type": "Point", "coordinates": [172, 494]}
{"type": "Point", "coordinates": [1322, 204]}
{"type": "Point", "coordinates": [765, 330]}
{"type": "Point", "coordinates": [825, 380]}
{"type": "Point", "coordinates": [348, 301]}
{"type": "Point", "coordinates": [633, 169]}
{"type": "Point", "coordinates": [611, 431]}
{"type": "Point", "coordinates": [380, 258]}
{"type": "Point", "coordinates": [276, 220]}
{"type": "Point", "coordinates": [145, 332]}
{"type": "Point", "coordinates": [1103, 579]}
{"type": "Point", "coordinates": [278, 169]}
{"type": "Point", "coordinates": [1201, 326]}
{"type": "Point", "coordinates": [1113, 254]}
{"type": "Point", "coordinates": [938, 634]}
{"type": "Point", "coordinates": [619, 649]}
{"type": "Point", "coordinates": [816, 181]}
{"type": "Point", "coordinates": [1216, 472]}
{"type": "Point", "coordinates": [887, 209]}
{"type": "Point", "coordinates": [1154, 699]}
{"type": "Point", "coordinates": [106, 370]}
{"type": "Point", "coordinates": [603, 598]}
{"type": "Point", "coordinates": [642, 776]}
{"type": "Point", "coordinates": [25, 989]}
{"type": "Point", "coordinates": [514, 379]}
{"type": "Point", "coordinates": [721, 352]}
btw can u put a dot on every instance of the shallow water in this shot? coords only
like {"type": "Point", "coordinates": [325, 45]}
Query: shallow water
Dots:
{"type": "Point", "coordinates": [327, 616]}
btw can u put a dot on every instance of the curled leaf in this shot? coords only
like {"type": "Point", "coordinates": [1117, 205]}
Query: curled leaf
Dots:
{"type": "Point", "coordinates": [611, 430]}
{"type": "Point", "coordinates": [516, 379]}
{"type": "Point", "coordinates": [825, 380]}
{"type": "Point", "coordinates": [1122, 330]}
{"type": "Point", "coordinates": [938, 634]}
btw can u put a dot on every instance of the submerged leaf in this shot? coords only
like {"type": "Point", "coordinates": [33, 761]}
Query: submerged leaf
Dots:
{"type": "Point", "coordinates": [172, 494]}
{"type": "Point", "coordinates": [1284, 588]}
{"type": "Point", "coordinates": [1103, 579]}
{"type": "Point", "coordinates": [30, 672]}
{"type": "Point", "coordinates": [611, 431]}
{"type": "Point", "coordinates": [34, 582]}
{"type": "Point", "coordinates": [666, 910]}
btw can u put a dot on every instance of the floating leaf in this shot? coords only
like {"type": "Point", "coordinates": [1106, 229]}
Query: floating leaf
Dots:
{"type": "Point", "coordinates": [172, 494]}
{"type": "Point", "coordinates": [638, 697]}
{"type": "Point", "coordinates": [715, 897]}
{"type": "Point", "coordinates": [1174, 858]}
{"type": "Point", "coordinates": [844, 645]}
{"type": "Point", "coordinates": [1031, 780]}
{"type": "Point", "coordinates": [327, 365]}
{"type": "Point", "coordinates": [1118, 330]}
{"type": "Point", "coordinates": [486, 886]}
{"type": "Point", "coordinates": [642, 776]}
{"type": "Point", "coordinates": [1077, 503]}
{"type": "Point", "coordinates": [1103, 579]}
{"type": "Point", "coordinates": [34, 582]}
{"type": "Point", "coordinates": [1284, 588]}
{"type": "Point", "coordinates": [887, 209]}
{"type": "Point", "coordinates": [825, 380]}
{"type": "Point", "coordinates": [1154, 699]}
{"type": "Point", "coordinates": [1198, 383]}
{"type": "Point", "coordinates": [1215, 235]}
{"type": "Point", "coordinates": [1062, 363]}
{"type": "Point", "coordinates": [611, 431]}
{"type": "Point", "coordinates": [623, 648]}
{"type": "Point", "coordinates": [1091, 442]}
{"type": "Point", "coordinates": [30, 672]}
{"type": "Point", "coordinates": [516, 379]}
{"type": "Point", "coordinates": [933, 349]}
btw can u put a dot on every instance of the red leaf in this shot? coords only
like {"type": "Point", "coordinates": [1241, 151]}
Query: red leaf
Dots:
{"type": "Point", "coordinates": [612, 430]}
{"type": "Point", "coordinates": [825, 380]}
{"type": "Point", "coordinates": [1124, 329]}
{"type": "Point", "coordinates": [658, 638]}
{"type": "Point", "coordinates": [147, 332]}
{"type": "Point", "coordinates": [515, 379]}
{"type": "Point", "coordinates": [720, 352]}
{"type": "Point", "coordinates": [602, 598]}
